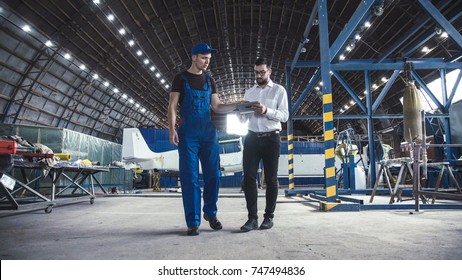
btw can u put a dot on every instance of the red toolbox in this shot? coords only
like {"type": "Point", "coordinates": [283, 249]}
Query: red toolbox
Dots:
{"type": "Point", "coordinates": [8, 147]}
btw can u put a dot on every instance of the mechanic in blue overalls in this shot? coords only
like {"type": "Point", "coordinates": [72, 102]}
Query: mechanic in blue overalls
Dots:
{"type": "Point", "coordinates": [195, 91]}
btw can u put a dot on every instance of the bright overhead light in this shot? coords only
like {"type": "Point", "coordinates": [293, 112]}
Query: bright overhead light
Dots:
{"type": "Point", "coordinates": [110, 17]}
{"type": "Point", "coordinates": [374, 86]}
{"type": "Point", "coordinates": [131, 43]}
{"type": "Point", "coordinates": [67, 56]}
{"type": "Point", "coordinates": [167, 86]}
{"type": "Point", "coordinates": [82, 67]}
{"type": "Point", "coordinates": [116, 90]}
{"type": "Point", "coordinates": [137, 105]}
{"type": "Point", "coordinates": [96, 2]}
{"type": "Point", "coordinates": [152, 68]}
{"type": "Point", "coordinates": [157, 75]}
{"type": "Point", "coordinates": [139, 53]}
{"type": "Point", "coordinates": [131, 101]}
{"type": "Point", "coordinates": [146, 61]}
{"type": "Point", "coordinates": [106, 84]}
{"type": "Point", "coordinates": [124, 96]}
{"type": "Point", "coordinates": [48, 43]}
{"type": "Point", "coordinates": [342, 57]}
{"type": "Point", "coordinates": [162, 81]}
{"type": "Point", "coordinates": [367, 24]}
{"type": "Point", "coordinates": [425, 49]}
{"type": "Point", "coordinates": [26, 28]}
{"type": "Point", "coordinates": [95, 76]}
{"type": "Point", "coordinates": [122, 31]}
{"type": "Point", "coordinates": [444, 34]}
{"type": "Point", "coordinates": [143, 110]}
{"type": "Point", "coordinates": [357, 37]}
{"type": "Point", "coordinates": [384, 79]}
{"type": "Point", "coordinates": [352, 102]}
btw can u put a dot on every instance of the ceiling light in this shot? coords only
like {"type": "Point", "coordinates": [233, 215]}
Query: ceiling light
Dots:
{"type": "Point", "coordinates": [122, 31]}
{"type": "Point", "coordinates": [82, 67]}
{"type": "Point", "coordinates": [116, 90]}
{"type": "Point", "coordinates": [131, 43]}
{"type": "Point", "coordinates": [352, 44]}
{"type": "Point", "coordinates": [67, 56]}
{"type": "Point", "coordinates": [124, 96]}
{"type": "Point", "coordinates": [341, 111]}
{"type": "Point", "coordinates": [110, 17]}
{"type": "Point", "coordinates": [374, 86]}
{"type": "Point", "coordinates": [95, 76]}
{"type": "Point", "coordinates": [352, 102]}
{"type": "Point", "coordinates": [346, 107]}
{"type": "Point", "coordinates": [438, 30]}
{"type": "Point", "coordinates": [444, 35]}
{"type": "Point", "coordinates": [315, 21]}
{"type": "Point", "coordinates": [162, 81]}
{"type": "Point", "coordinates": [425, 49]}
{"type": "Point", "coordinates": [48, 43]}
{"type": "Point", "coordinates": [146, 61]}
{"type": "Point", "coordinates": [348, 48]}
{"type": "Point", "coordinates": [341, 57]}
{"type": "Point", "coordinates": [26, 28]}
{"type": "Point", "coordinates": [139, 53]}
{"type": "Point", "coordinates": [106, 84]}
{"type": "Point", "coordinates": [143, 110]}
{"type": "Point", "coordinates": [367, 24]}
{"type": "Point", "coordinates": [378, 10]}
{"type": "Point", "coordinates": [96, 2]}
{"type": "Point", "coordinates": [137, 105]}
{"type": "Point", "coordinates": [152, 68]}
{"type": "Point", "coordinates": [131, 101]}
{"type": "Point", "coordinates": [384, 79]}
{"type": "Point", "coordinates": [157, 75]}
{"type": "Point", "coordinates": [167, 86]}
{"type": "Point", "coordinates": [357, 37]}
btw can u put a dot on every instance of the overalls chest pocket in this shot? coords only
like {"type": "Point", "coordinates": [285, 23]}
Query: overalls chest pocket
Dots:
{"type": "Point", "coordinates": [199, 102]}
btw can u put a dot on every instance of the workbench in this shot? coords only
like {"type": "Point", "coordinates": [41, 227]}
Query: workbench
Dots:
{"type": "Point", "coordinates": [36, 186]}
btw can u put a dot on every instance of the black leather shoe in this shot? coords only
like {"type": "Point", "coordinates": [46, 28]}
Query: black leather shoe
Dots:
{"type": "Point", "coordinates": [214, 222]}
{"type": "Point", "coordinates": [267, 223]}
{"type": "Point", "coordinates": [251, 224]}
{"type": "Point", "coordinates": [192, 231]}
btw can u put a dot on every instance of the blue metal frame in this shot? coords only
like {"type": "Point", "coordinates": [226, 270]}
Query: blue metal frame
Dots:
{"type": "Point", "coordinates": [325, 65]}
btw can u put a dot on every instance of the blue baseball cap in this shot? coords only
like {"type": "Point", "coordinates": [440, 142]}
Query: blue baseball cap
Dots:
{"type": "Point", "coordinates": [202, 48]}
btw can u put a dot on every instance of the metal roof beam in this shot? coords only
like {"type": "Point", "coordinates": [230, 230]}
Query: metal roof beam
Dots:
{"type": "Point", "coordinates": [442, 21]}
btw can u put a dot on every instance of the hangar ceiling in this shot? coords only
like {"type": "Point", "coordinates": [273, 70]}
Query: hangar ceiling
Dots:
{"type": "Point", "coordinates": [132, 49]}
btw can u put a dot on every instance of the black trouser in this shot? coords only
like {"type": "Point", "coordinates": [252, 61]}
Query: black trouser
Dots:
{"type": "Point", "coordinates": [261, 147]}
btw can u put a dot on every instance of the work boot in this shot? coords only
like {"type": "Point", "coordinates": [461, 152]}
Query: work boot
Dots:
{"type": "Point", "coordinates": [251, 224]}
{"type": "Point", "coordinates": [214, 222]}
{"type": "Point", "coordinates": [267, 223]}
{"type": "Point", "coordinates": [192, 231]}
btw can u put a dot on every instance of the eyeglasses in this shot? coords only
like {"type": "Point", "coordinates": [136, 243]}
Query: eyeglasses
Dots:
{"type": "Point", "coordinates": [261, 73]}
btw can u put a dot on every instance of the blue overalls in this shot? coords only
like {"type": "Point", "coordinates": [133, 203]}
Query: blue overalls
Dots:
{"type": "Point", "coordinates": [198, 140]}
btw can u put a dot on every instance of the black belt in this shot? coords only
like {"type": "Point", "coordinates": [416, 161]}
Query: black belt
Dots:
{"type": "Point", "coordinates": [264, 134]}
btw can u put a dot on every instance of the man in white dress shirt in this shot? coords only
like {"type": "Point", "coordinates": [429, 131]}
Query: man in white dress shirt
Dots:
{"type": "Point", "coordinates": [263, 142]}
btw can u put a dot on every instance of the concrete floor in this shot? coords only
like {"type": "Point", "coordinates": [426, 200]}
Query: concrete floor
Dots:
{"type": "Point", "coordinates": [152, 227]}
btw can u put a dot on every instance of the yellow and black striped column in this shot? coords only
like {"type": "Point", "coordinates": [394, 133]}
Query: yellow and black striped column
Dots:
{"type": "Point", "coordinates": [329, 146]}
{"type": "Point", "coordinates": [290, 150]}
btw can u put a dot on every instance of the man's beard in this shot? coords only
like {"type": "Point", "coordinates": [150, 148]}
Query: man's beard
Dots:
{"type": "Point", "coordinates": [262, 82]}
